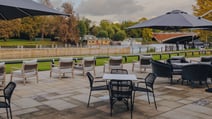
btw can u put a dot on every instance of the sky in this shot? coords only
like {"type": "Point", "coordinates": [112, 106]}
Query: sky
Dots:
{"type": "Point", "coordinates": [122, 10]}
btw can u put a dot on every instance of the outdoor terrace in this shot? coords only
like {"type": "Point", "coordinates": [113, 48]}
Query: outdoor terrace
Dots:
{"type": "Point", "coordinates": [67, 99]}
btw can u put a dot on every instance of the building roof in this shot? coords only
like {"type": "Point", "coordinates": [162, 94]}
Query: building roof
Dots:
{"type": "Point", "coordinates": [173, 37]}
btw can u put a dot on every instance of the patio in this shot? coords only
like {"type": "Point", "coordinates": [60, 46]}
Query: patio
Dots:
{"type": "Point", "coordinates": [67, 98]}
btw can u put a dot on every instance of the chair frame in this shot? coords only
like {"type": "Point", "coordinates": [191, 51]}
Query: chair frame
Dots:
{"type": "Point", "coordinates": [149, 87]}
{"type": "Point", "coordinates": [115, 62]}
{"type": "Point", "coordinates": [94, 88]}
{"type": "Point", "coordinates": [27, 68]}
{"type": "Point", "coordinates": [121, 90]}
{"type": "Point", "coordinates": [89, 63]}
{"type": "Point", "coordinates": [162, 70]}
{"type": "Point", "coordinates": [8, 91]}
{"type": "Point", "coordinates": [144, 62]}
{"type": "Point", "coordinates": [119, 71]}
{"type": "Point", "coordinates": [64, 64]}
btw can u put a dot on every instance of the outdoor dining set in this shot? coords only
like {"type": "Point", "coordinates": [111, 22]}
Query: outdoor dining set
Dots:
{"type": "Point", "coordinates": [121, 85]}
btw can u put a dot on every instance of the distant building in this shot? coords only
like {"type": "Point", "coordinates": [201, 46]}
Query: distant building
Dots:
{"type": "Point", "coordinates": [91, 40]}
{"type": "Point", "coordinates": [173, 37]}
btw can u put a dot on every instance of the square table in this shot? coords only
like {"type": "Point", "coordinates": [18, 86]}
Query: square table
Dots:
{"type": "Point", "coordinates": [120, 77]}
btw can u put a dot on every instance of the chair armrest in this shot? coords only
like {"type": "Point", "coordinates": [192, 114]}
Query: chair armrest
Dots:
{"type": "Point", "coordinates": [99, 79]}
{"type": "Point", "coordinates": [15, 68]}
{"type": "Point", "coordinates": [193, 60]}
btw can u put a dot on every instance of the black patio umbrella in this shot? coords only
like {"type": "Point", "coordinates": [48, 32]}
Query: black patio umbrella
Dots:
{"type": "Point", "coordinates": [174, 20]}
{"type": "Point", "coordinates": [11, 9]}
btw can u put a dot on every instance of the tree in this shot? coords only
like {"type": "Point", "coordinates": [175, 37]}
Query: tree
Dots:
{"type": "Point", "coordinates": [119, 36]}
{"type": "Point", "coordinates": [147, 34]}
{"type": "Point", "coordinates": [30, 27]}
{"type": "Point", "coordinates": [94, 30]}
{"type": "Point", "coordinates": [201, 7]}
{"type": "Point", "coordinates": [82, 28]}
{"type": "Point", "coordinates": [102, 34]}
{"type": "Point", "coordinates": [104, 24]}
{"type": "Point", "coordinates": [133, 33]}
{"type": "Point", "coordinates": [67, 27]}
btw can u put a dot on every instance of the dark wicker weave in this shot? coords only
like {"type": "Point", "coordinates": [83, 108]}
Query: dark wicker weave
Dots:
{"type": "Point", "coordinates": [162, 70]}
{"type": "Point", "coordinates": [8, 91]}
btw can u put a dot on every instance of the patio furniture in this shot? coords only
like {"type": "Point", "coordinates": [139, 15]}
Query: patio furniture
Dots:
{"type": "Point", "coordinates": [176, 69]}
{"type": "Point", "coordinates": [121, 90]}
{"type": "Point", "coordinates": [2, 74]}
{"type": "Point", "coordinates": [196, 73]}
{"type": "Point", "coordinates": [149, 83]}
{"type": "Point", "coordinates": [88, 64]}
{"type": "Point", "coordinates": [119, 71]}
{"type": "Point", "coordinates": [65, 66]}
{"type": "Point", "coordinates": [29, 70]}
{"type": "Point", "coordinates": [7, 94]}
{"type": "Point", "coordinates": [162, 69]}
{"type": "Point", "coordinates": [144, 62]}
{"type": "Point", "coordinates": [94, 88]}
{"type": "Point", "coordinates": [115, 62]}
{"type": "Point", "coordinates": [119, 77]}
{"type": "Point", "coordinates": [204, 60]}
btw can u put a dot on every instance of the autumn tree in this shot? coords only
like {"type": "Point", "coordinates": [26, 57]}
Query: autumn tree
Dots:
{"type": "Point", "coordinates": [202, 7]}
{"type": "Point", "coordinates": [67, 27]}
{"type": "Point", "coordinates": [45, 22]}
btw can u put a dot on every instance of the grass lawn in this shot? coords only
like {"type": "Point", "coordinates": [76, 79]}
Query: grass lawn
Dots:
{"type": "Point", "coordinates": [15, 42]}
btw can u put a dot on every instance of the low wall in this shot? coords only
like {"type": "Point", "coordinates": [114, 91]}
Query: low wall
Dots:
{"type": "Point", "coordinates": [19, 53]}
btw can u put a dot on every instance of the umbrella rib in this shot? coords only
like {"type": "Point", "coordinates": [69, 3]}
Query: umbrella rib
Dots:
{"type": "Point", "coordinates": [23, 11]}
{"type": "Point", "coordinates": [3, 16]}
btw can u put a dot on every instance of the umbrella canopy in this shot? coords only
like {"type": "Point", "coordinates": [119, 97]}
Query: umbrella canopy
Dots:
{"type": "Point", "coordinates": [11, 9]}
{"type": "Point", "coordinates": [173, 20]}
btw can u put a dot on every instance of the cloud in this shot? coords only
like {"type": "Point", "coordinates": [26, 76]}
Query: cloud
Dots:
{"type": "Point", "coordinates": [121, 10]}
{"type": "Point", "coordinates": [108, 7]}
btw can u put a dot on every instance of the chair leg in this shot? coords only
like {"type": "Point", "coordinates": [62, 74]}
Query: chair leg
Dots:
{"type": "Point", "coordinates": [104, 69]}
{"type": "Point", "coordinates": [24, 80]}
{"type": "Point", "coordinates": [72, 74]}
{"type": "Point", "coordinates": [111, 107]}
{"type": "Point", "coordinates": [7, 113]}
{"type": "Point", "coordinates": [206, 84]}
{"type": "Point", "coordinates": [89, 99]}
{"type": "Point", "coordinates": [132, 106]}
{"type": "Point", "coordinates": [94, 72]}
{"type": "Point", "coordinates": [154, 100]}
{"type": "Point", "coordinates": [148, 97]}
{"type": "Point", "coordinates": [133, 68]}
{"type": "Point", "coordinates": [37, 78]}
{"type": "Point", "coordinates": [11, 113]}
{"type": "Point", "coordinates": [50, 74]}
{"type": "Point", "coordinates": [11, 77]}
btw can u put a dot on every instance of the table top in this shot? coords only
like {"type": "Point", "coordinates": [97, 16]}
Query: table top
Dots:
{"type": "Point", "coordinates": [119, 76]}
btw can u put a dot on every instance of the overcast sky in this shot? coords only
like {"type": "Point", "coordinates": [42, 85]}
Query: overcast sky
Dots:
{"type": "Point", "coordinates": [121, 10]}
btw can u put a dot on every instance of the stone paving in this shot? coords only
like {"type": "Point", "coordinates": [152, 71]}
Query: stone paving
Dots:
{"type": "Point", "coordinates": [67, 99]}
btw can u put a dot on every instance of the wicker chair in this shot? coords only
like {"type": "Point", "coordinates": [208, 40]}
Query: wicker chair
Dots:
{"type": "Point", "coordinates": [162, 69]}
{"type": "Point", "coordinates": [176, 69]}
{"type": "Point", "coordinates": [7, 91]}
{"type": "Point", "coordinates": [94, 87]}
{"type": "Point", "coordinates": [149, 83]}
{"type": "Point", "coordinates": [121, 90]}
{"type": "Point", "coordinates": [29, 70]}
{"type": "Point", "coordinates": [196, 73]}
